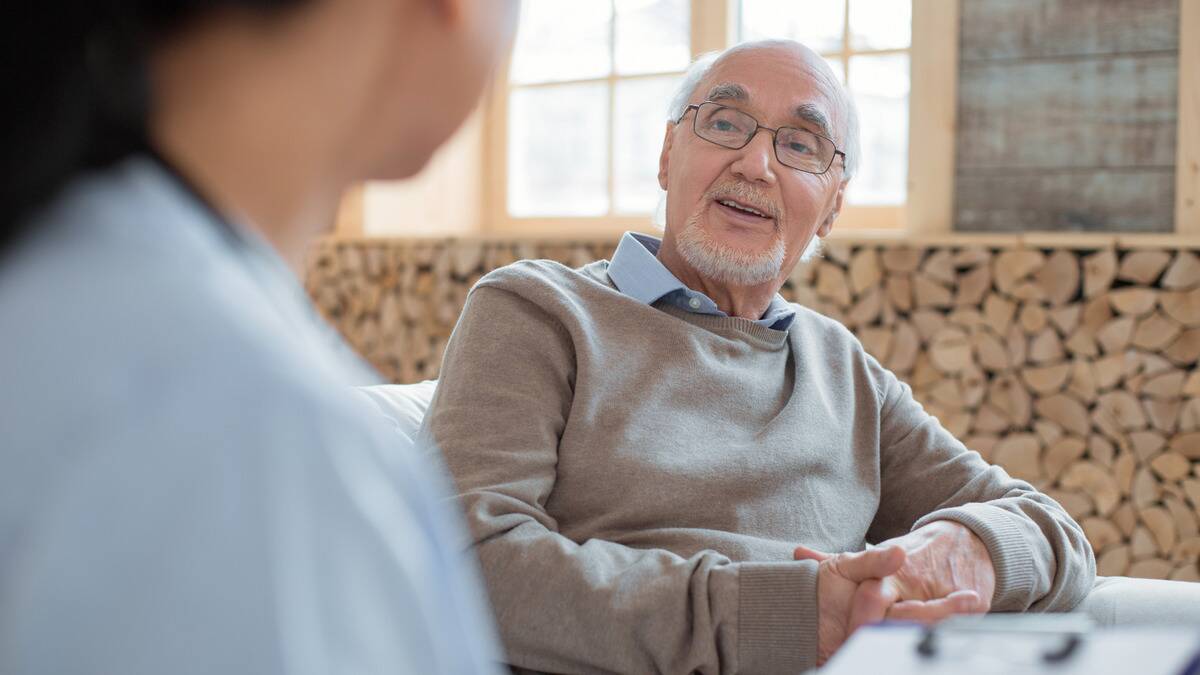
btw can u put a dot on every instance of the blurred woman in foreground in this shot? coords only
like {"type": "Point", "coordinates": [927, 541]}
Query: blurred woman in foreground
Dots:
{"type": "Point", "coordinates": [186, 485]}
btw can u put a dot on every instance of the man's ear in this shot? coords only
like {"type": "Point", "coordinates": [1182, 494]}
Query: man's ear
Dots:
{"type": "Point", "coordinates": [664, 159]}
{"type": "Point", "coordinates": [827, 226]}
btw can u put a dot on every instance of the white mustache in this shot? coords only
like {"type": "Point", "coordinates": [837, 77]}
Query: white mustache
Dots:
{"type": "Point", "coordinates": [747, 195]}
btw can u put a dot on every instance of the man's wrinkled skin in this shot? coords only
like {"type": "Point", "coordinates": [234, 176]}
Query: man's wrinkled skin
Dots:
{"type": "Point", "coordinates": [933, 572]}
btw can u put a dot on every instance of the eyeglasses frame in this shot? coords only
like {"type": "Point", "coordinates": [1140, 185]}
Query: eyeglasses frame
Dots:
{"type": "Point", "coordinates": [757, 127]}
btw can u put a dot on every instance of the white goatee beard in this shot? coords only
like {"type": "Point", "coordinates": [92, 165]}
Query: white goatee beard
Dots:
{"type": "Point", "coordinates": [728, 265]}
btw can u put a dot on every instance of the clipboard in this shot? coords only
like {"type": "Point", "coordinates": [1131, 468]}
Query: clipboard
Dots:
{"type": "Point", "coordinates": [1012, 644]}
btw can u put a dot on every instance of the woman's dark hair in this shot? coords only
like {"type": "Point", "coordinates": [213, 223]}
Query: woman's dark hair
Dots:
{"type": "Point", "coordinates": [74, 76]}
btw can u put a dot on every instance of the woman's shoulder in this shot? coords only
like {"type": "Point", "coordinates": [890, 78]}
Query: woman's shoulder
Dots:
{"type": "Point", "coordinates": [131, 306]}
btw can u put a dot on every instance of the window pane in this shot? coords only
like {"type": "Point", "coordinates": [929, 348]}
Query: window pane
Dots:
{"type": "Point", "coordinates": [816, 23]}
{"type": "Point", "coordinates": [558, 150]}
{"type": "Point", "coordinates": [561, 40]}
{"type": "Point", "coordinates": [653, 36]}
{"type": "Point", "coordinates": [836, 64]}
{"type": "Point", "coordinates": [880, 24]}
{"type": "Point", "coordinates": [640, 123]}
{"type": "Point", "coordinates": [880, 88]}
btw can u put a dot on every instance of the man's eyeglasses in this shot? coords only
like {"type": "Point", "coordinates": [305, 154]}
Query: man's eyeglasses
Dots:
{"type": "Point", "coordinates": [731, 128]}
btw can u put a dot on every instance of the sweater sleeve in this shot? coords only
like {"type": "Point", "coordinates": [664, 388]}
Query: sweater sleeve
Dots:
{"type": "Point", "coordinates": [1042, 559]}
{"type": "Point", "coordinates": [502, 403]}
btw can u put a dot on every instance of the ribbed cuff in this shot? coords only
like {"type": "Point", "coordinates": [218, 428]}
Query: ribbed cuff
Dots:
{"type": "Point", "coordinates": [1012, 554]}
{"type": "Point", "coordinates": [777, 617]}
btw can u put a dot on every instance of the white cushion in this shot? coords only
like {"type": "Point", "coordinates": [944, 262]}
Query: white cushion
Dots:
{"type": "Point", "coordinates": [1125, 601]}
{"type": "Point", "coordinates": [404, 403]}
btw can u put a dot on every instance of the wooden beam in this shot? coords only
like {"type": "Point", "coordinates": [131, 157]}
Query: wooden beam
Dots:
{"type": "Point", "coordinates": [933, 104]}
{"type": "Point", "coordinates": [714, 25]}
{"type": "Point", "coordinates": [886, 218]}
{"type": "Point", "coordinates": [349, 221]}
{"type": "Point", "coordinates": [575, 227]}
{"type": "Point", "coordinates": [1187, 159]}
{"type": "Point", "coordinates": [494, 166]}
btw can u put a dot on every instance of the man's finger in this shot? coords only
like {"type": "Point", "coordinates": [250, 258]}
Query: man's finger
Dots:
{"type": "Point", "coordinates": [806, 553]}
{"type": "Point", "coordinates": [874, 563]}
{"type": "Point", "coordinates": [969, 601]}
{"type": "Point", "coordinates": [871, 602]}
{"type": "Point", "coordinates": [932, 611]}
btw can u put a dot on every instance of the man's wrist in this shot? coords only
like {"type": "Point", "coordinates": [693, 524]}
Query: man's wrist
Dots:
{"type": "Point", "coordinates": [1008, 550]}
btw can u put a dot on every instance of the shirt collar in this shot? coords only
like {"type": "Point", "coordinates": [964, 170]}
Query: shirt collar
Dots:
{"type": "Point", "coordinates": [637, 272]}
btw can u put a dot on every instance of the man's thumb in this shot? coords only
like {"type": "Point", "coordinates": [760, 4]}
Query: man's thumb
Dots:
{"type": "Point", "coordinates": [806, 553]}
{"type": "Point", "coordinates": [874, 563]}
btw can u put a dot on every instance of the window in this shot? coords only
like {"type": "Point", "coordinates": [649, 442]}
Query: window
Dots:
{"type": "Point", "coordinates": [577, 124]}
{"type": "Point", "coordinates": [867, 44]}
{"type": "Point", "coordinates": [587, 94]}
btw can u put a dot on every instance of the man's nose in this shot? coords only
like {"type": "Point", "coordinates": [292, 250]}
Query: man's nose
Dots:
{"type": "Point", "coordinates": [754, 160]}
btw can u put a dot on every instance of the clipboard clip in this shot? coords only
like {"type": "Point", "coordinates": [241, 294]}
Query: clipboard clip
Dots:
{"type": "Point", "coordinates": [1072, 627]}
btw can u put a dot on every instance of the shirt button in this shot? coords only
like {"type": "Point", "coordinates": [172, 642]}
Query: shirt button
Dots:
{"type": "Point", "coordinates": [694, 303]}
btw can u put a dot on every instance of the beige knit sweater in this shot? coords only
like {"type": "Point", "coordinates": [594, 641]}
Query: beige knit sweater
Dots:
{"type": "Point", "coordinates": [636, 477]}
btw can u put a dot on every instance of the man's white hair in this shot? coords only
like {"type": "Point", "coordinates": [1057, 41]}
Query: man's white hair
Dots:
{"type": "Point", "coordinates": [701, 67]}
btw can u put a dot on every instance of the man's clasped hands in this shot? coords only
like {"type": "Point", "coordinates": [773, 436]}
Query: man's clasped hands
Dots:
{"type": "Point", "coordinates": [931, 573]}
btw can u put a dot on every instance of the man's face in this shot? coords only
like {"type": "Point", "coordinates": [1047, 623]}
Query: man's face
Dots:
{"type": "Point", "coordinates": [779, 87]}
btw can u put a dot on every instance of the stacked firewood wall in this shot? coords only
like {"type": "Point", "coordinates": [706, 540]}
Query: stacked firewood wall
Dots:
{"type": "Point", "coordinates": [1073, 369]}
{"type": "Point", "coordinates": [397, 301]}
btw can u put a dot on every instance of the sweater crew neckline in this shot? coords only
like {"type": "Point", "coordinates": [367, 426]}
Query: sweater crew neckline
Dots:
{"type": "Point", "coordinates": [748, 328]}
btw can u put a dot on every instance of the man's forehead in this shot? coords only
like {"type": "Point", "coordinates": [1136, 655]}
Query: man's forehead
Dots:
{"type": "Point", "coordinates": [786, 72]}
{"type": "Point", "coordinates": [808, 112]}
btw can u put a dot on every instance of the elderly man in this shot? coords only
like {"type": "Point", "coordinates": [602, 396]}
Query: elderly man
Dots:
{"type": "Point", "coordinates": [666, 467]}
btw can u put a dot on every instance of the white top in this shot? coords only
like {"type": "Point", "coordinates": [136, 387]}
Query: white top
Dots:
{"type": "Point", "coordinates": [187, 484]}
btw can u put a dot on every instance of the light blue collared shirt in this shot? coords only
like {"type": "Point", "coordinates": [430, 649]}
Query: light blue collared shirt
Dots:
{"type": "Point", "coordinates": [637, 272]}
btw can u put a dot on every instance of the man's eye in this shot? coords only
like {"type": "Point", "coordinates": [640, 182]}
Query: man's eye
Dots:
{"type": "Point", "coordinates": [799, 148]}
{"type": "Point", "coordinates": [723, 125]}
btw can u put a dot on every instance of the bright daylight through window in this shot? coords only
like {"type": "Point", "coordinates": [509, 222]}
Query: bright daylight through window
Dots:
{"type": "Point", "coordinates": [588, 104]}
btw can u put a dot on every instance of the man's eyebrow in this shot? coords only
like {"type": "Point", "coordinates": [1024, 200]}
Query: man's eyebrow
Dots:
{"type": "Point", "coordinates": [810, 113]}
{"type": "Point", "coordinates": [727, 91]}
{"type": "Point", "coordinates": [805, 112]}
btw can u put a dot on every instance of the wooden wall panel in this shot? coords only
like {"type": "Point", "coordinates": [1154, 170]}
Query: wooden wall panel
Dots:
{"type": "Point", "coordinates": [1094, 200]}
{"type": "Point", "coordinates": [995, 29]}
{"type": "Point", "coordinates": [1074, 105]}
{"type": "Point", "coordinates": [1077, 369]}
{"type": "Point", "coordinates": [1077, 113]}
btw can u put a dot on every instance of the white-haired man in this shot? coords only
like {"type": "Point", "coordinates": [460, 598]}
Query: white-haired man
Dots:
{"type": "Point", "coordinates": [654, 452]}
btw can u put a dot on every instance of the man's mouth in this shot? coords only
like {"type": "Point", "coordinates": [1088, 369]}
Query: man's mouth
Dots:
{"type": "Point", "coordinates": [742, 208]}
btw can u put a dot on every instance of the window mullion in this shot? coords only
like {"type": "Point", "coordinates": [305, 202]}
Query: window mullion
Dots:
{"type": "Point", "coordinates": [878, 52]}
{"type": "Point", "coordinates": [846, 41]}
{"type": "Point", "coordinates": [612, 107]}
{"type": "Point", "coordinates": [557, 83]}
